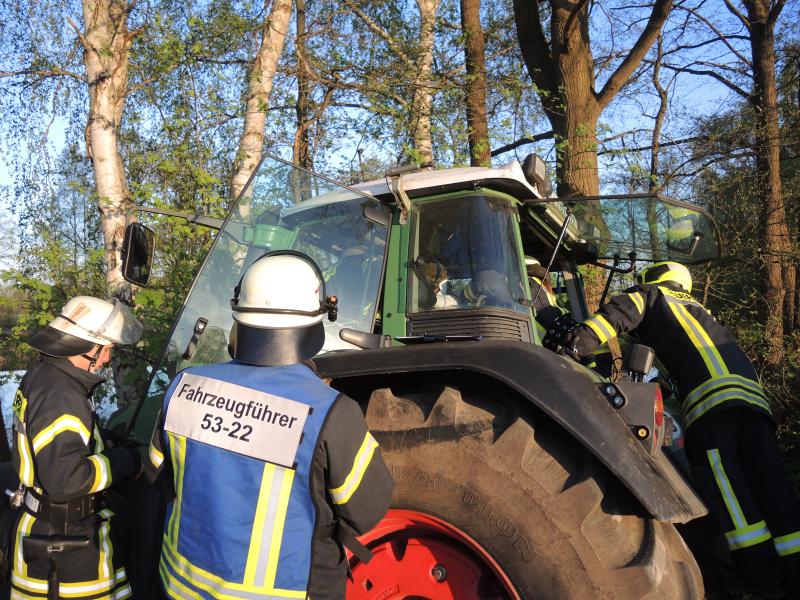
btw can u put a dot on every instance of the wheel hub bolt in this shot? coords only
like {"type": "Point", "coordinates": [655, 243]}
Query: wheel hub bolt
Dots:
{"type": "Point", "coordinates": [439, 573]}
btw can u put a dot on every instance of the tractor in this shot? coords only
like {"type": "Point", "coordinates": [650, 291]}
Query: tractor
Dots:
{"type": "Point", "coordinates": [519, 472]}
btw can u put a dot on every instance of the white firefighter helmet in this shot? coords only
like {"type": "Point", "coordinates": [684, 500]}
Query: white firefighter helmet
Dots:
{"type": "Point", "coordinates": [662, 272]}
{"type": "Point", "coordinates": [84, 322]}
{"type": "Point", "coordinates": [278, 307]}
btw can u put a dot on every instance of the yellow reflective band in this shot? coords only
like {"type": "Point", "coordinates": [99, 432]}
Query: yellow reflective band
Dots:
{"type": "Point", "coordinates": [746, 537]}
{"type": "Point", "coordinates": [106, 551]}
{"type": "Point", "coordinates": [699, 339]}
{"type": "Point", "coordinates": [725, 488]}
{"type": "Point", "coordinates": [25, 460]}
{"type": "Point", "coordinates": [102, 472]}
{"type": "Point", "coordinates": [277, 528]}
{"type": "Point", "coordinates": [718, 382]}
{"type": "Point", "coordinates": [23, 529]}
{"type": "Point", "coordinates": [77, 590]}
{"type": "Point", "coordinates": [215, 585]}
{"type": "Point", "coordinates": [60, 425]}
{"type": "Point", "coordinates": [177, 447]}
{"type": "Point", "coordinates": [156, 457]}
{"type": "Point", "coordinates": [174, 586]}
{"type": "Point", "coordinates": [342, 494]}
{"type": "Point", "coordinates": [99, 446]}
{"type": "Point", "coordinates": [17, 595]}
{"type": "Point", "coordinates": [788, 544]}
{"type": "Point", "coordinates": [601, 327]}
{"type": "Point", "coordinates": [265, 544]}
{"type": "Point", "coordinates": [712, 348]}
{"type": "Point", "coordinates": [638, 300]}
{"type": "Point", "coordinates": [258, 524]}
{"type": "Point", "coordinates": [722, 396]}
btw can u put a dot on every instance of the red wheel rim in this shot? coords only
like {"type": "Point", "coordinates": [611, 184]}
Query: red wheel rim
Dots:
{"type": "Point", "coordinates": [418, 556]}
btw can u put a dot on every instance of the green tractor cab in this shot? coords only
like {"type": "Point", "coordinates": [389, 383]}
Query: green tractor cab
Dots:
{"type": "Point", "coordinates": [519, 473]}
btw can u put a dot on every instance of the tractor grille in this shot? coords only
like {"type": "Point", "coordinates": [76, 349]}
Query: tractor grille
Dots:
{"type": "Point", "coordinates": [489, 323]}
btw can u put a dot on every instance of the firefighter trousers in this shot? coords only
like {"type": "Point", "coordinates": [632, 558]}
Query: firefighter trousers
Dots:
{"type": "Point", "coordinates": [738, 468]}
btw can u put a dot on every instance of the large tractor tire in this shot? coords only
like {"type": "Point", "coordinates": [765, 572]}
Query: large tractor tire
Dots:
{"type": "Point", "coordinates": [492, 501]}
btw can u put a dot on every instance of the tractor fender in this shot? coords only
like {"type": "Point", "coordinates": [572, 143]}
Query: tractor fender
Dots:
{"type": "Point", "coordinates": [564, 390]}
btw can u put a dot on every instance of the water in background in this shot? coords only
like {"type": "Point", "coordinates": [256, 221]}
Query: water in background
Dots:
{"type": "Point", "coordinates": [9, 382]}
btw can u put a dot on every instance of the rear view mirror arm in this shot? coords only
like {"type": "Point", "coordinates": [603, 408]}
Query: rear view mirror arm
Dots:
{"type": "Point", "coordinates": [556, 248]}
{"type": "Point", "coordinates": [209, 222]}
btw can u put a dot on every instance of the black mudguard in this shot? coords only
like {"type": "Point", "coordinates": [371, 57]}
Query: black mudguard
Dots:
{"type": "Point", "coordinates": [559, 387]}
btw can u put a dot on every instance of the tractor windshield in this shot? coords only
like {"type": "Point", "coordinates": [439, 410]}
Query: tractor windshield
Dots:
{"type": "Point", "coordinates": [465, 255]}
{"type": "Point", "coordinates": [283, 208]}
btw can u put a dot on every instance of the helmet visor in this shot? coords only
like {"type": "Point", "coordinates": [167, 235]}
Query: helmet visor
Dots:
{"type": "Point", "coordinates": [121, 327]}
{"type": "Point", "coordinates": [57, 343]}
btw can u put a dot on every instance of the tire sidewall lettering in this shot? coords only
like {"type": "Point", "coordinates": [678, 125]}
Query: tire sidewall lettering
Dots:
{"type": "Point", "coordinates": [505, 529]}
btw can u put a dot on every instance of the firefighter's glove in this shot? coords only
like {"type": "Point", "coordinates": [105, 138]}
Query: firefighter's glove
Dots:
{"type": "Point", "coordinates": [561, 332]}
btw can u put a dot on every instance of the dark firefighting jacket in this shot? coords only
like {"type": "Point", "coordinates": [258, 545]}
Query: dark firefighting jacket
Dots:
{"type": "Point", "coordinates": [710, 369]}
{"type": "Point", "coordinates": [248, 520]}
{"type": "Point", "coordinates": [60, 456]}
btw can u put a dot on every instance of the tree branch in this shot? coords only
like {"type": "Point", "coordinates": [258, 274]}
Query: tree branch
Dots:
{"type": "Point", "coordinates": [573, 17]}
{"type": "Point", "coordinates": [523, 141]}
{"type": "Point", "coordinates": [380, 32]}
{"type": "Point", "coordinates": [775, 12]}
{"type": "Point", "coordinates": [735, 12]}
{"type": "Point", "coordinates": [723, 80]}
{"type": "Point", "coordinates": [536, 51]}
{"type": "Point", "coordinates": [720, 36]}
{"type": "Point", "coordinates": [44, 73]}
{"type": "Point", "coordinates": [613, 85]}
{"type": "Point", "coordinates": [84, 42]}
{"type": "Point", "coordinates": [682, 141]}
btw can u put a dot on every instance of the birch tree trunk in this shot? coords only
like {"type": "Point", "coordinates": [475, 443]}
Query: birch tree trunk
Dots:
{"type": "Point", "coordinates": [262, 75]}
{"type": "Point", "coordinates": [475, 53]}
{"type": "Point", "coordinates": [423, 83]}
{"type": "Point", "coordinates": [106, 46]}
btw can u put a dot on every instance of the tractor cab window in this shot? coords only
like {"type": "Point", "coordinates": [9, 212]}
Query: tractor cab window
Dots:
{"type": "Point", "coordinates": [328, 223]}
{"type": "Point", "coordinates": [465, 254]}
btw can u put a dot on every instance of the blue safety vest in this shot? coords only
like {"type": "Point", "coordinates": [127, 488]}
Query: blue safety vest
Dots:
{"type": "Point", "coordinates": [239, 526]}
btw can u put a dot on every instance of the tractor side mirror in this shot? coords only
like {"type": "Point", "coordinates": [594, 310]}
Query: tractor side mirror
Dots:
{"type": "Point", "coordinates": [137, 254]}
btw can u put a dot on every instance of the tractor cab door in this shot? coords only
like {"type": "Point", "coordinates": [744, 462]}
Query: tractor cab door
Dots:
{"type": "Point", "coordinates": [645, 227]}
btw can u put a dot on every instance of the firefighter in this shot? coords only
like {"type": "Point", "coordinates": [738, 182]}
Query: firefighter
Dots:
{"type": "Point", "coordinates": [273, 471]}
{"type": "Point", "coordinates": [730, 439]}
{"type": "Point", "coordinates": [545, 298]}
{"type": "Point", "coordinates": [63, 464]}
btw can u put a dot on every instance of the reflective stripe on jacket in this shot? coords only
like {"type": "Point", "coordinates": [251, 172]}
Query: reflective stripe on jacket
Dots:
{"type": "Point", "coordinates": [243, 527]}
{"type": "Point", "coordinates": [702, 357]}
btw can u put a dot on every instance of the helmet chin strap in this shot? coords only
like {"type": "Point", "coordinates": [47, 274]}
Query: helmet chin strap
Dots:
{"type": "Point", "coordinates": [92, 358]}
